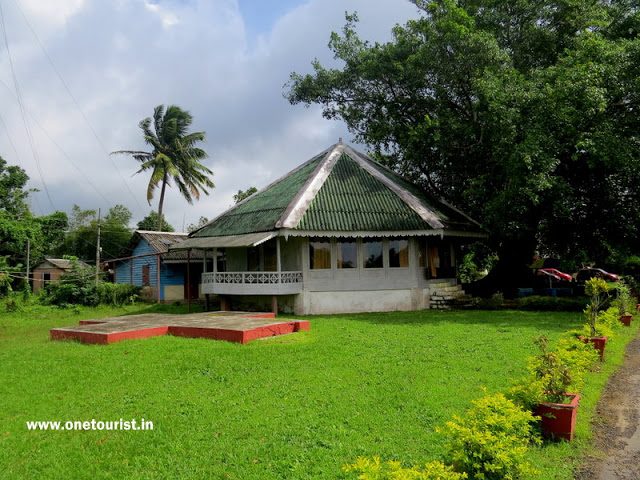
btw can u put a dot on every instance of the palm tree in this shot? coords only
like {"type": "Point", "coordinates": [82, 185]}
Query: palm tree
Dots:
{"type": "Point", "coordinates": [174, 156]}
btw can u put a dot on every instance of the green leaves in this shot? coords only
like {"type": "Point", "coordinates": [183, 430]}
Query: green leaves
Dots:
{"type": "Point", "coordinates": [174, 156]}
{"type": "Point", "coordinates": [523, 114]}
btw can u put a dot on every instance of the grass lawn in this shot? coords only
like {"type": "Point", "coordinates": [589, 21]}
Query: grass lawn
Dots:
{"type": "Point", "coordinates": [293, 407]}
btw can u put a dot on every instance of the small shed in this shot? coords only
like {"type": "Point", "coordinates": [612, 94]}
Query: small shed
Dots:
{"type": "Point", "coordinates": [151, 266]}
{"type": "Point", "coordinates": [51, 269]}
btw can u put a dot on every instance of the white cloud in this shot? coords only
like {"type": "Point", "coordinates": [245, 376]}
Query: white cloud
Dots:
{"type": "Point", "coordinates": [121, 59]}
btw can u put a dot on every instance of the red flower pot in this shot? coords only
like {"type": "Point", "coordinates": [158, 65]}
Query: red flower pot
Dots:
{"type": "Point", "coordinates": [598, 343]}
{"type": "Point", "coordinates": [558, 420]}
{"type": "Point", "coordinates": [626, 320]}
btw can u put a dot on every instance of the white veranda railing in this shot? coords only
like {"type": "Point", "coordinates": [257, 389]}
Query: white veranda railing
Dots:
{"type": "Point", "coordinates": [252, 278]}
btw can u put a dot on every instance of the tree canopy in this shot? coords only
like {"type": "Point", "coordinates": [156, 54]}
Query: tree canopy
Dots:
{"type": "Point", "coordinates": [174, 157]}
{"type": "Point", "coordinates": [242, 194]}
{"type": "Point", "coordinates": [82, 237]}
{"type": "Point", "coordinates": [20, 230]}
{"type": "Point", "coordinates": [523, 114]}
{"type": "Point", "coordinates": [150, 222]}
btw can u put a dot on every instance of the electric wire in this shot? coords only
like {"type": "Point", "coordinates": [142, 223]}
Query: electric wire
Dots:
{"type": "Point", "coordinates": [77, 104]}
{"type": "Point", "coordinates": [22, 110]}
{"type": "Point", "coordinates": [61, 150]}
{"type": "Point", "coordinates": [4, 125]}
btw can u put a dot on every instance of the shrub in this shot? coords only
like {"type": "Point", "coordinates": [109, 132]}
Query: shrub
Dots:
{"type": "Point", "coordinates": [553, 374]}
{"type": "Point", "coordinates": [597, 289]}
{"type": "Point", "coordinates": [606, 324]}
{"type": "Point", "coordinates": [65, 294]}
{"type": "Point", "coordinates": [117, 294]}
{"type": "Point", "coordinates": [624, 301]}
{"type": "Point", "coordinates": [374, 469]}
{"type": "Point", "coordinates": [554, 304]}
{"type": "Point", "coordinates": [580, 357]}
{"type": "Point", "coordinates": [491, 440]}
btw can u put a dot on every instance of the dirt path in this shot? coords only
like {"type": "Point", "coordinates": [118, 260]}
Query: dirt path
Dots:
{"type": "Point", "coordinates": [617, 434]}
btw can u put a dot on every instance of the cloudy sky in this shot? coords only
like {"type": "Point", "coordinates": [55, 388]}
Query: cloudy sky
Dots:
{"type": "Point", "coordinates": [87, 71]}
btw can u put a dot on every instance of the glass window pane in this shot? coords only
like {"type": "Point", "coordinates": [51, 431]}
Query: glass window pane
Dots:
{"type": "Point", "coordinates": [319, 253]}
{"type": "Point", "coordinates": [347, 253]}
{"type": "Point", "coordinates": [398, 252]}
{"type": "Point", "coordinates": [372, 249]}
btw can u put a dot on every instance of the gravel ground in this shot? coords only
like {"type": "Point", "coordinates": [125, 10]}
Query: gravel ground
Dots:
{"type": "Point", "coordinates": [617, 433]}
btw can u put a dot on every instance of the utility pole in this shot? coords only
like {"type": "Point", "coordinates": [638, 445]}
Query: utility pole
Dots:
{"type": "Point", "coordinates": [98, 252]}
{"type": "Point", "coordinates": [28, 260]}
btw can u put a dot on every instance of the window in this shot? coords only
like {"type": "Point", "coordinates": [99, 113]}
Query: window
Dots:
{"type": "Point", "coordinates": [372, 249]}
{"type": "Point", "coordinates": [46, 277]}
{"type": "Point", "coordinates": [347, 251]}
{"type": "Point", "coordinates": [319, 253]}
{"type": "Point", "coordinates": [398, 253]}
{"type": "Point", "coordinates": [145, 275]}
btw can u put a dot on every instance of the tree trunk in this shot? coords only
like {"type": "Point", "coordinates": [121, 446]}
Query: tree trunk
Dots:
{"type": "Point", "coordinates": [161, 202]}
{"type": "Point", "coordinates": [511, 272]}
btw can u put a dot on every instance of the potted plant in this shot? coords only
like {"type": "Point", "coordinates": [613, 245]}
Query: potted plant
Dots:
{"type": "Point", "coordinates": [624, 302]}
{"type": "Point", "coordinates": [597, 290]}
{"type": "Point", "coordinates": [558, 410]}
{"type": "Point", "coordinates": [546, 391]}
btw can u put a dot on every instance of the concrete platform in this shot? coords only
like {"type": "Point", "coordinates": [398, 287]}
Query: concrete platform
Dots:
{"type": "Point", "coordinates": [240, 327]}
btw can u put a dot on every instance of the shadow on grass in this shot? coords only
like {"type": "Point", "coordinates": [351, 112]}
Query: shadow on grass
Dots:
{"type": "Point", "coordinates": [552, 321]}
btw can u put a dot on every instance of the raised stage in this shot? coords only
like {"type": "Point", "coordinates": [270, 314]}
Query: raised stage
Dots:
{"type": "Point", "coordinates": [240, 327]}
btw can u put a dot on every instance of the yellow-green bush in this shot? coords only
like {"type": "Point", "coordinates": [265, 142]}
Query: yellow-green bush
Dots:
{"type": "Point", "coordinates": [374, 469]}
{"type": "Point", "coordinates": [606, 324]}
{"type": "Point", "coordinates": [491, 440]}
{"type": "Point", "coordinates": [553, 373]}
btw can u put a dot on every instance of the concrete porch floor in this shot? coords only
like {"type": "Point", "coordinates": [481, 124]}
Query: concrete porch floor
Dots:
{"type": "Point", "coordinates": [241, 327]}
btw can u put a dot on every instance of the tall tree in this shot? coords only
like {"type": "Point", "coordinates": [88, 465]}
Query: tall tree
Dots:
{"type": "Point", "coordinates": [13, 192]}
{"type": "Point", "coordinates": [241, 195]}
{"type": "Point", "coordinates": [174, 155]}
{"type": "Point", "coordinates": [81, 240]}
{"type": "Point", "coordinates": [150, 222]}
{"type": "Point", "coordinates": [19, 229]}
{"type": "Point", "coordinates": [524, 114]}
{"type": "Point", "coordinates": [195, 226]}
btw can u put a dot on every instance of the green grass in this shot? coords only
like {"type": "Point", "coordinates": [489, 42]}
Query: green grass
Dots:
{"type": "Point", "coordinates": [293, 407]}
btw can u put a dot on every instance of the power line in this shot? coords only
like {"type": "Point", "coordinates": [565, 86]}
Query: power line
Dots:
{"type": "Point", "coordinates": [22, 110]}
{"type": "Point", "coordinates": [60, 149]}
{"type": "Point", "coordinates": [11, 141]}
{"type": "Point", "coordinates": [77, 104]}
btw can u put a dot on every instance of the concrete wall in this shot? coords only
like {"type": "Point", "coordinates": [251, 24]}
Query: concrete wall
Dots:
{"type": "Point", "coordinates": [330, 302]}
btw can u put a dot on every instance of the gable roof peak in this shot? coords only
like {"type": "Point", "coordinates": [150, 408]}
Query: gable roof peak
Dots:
{"type": "Point", "coordinates": [301, 201]}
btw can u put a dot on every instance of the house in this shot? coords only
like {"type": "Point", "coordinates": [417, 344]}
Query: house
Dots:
{"type": "Point", "coordinates": [340, 233]}
{"type": "Point", "coordinates": [51, 269]}
{"type": "Point", "coordinates": [149, 265]}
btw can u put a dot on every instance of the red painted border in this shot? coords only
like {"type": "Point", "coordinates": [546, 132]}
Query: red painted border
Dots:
{"type": "Point", "coordinates": [212, 333]}
{"type": "Point", "coordinates": [238, 336]}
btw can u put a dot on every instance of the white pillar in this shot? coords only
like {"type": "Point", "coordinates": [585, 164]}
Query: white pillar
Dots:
{"type": "Point", "coordinates": [278, 260]}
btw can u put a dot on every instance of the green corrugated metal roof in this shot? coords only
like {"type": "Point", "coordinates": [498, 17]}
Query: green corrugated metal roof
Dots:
{"type": "Point", "coordinates": [352, 199]}
{"type": "Point", "coordinates": [339, 190]}
{"type": "Point", "coordinates": [446, 213]}
{"type": "Point", "coordinates": [260, 212]}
